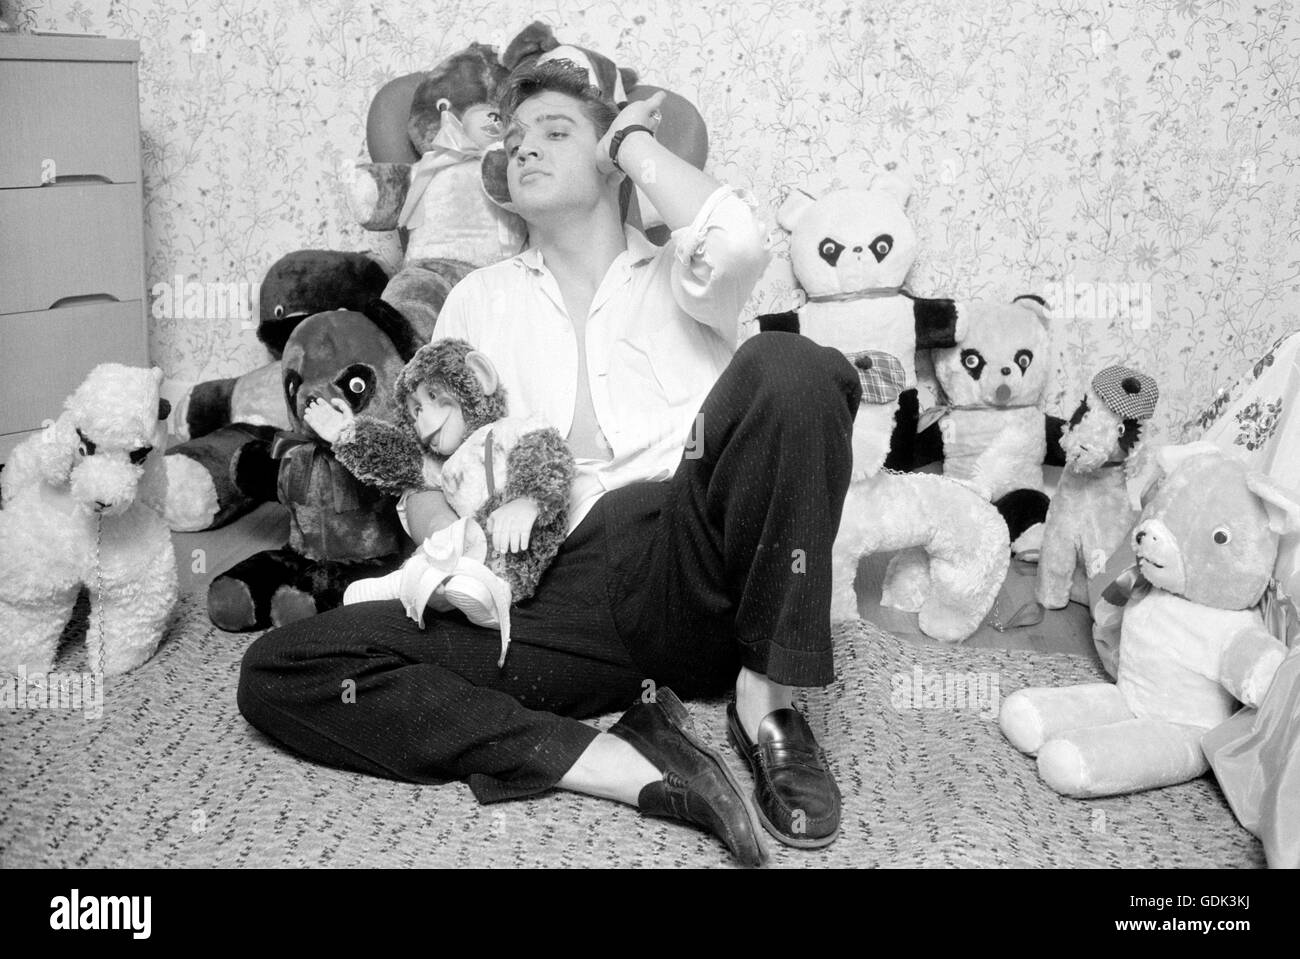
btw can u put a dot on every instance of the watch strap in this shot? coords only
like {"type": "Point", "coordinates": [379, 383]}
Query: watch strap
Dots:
{"type": "Point", "coordinates": [617, 142]}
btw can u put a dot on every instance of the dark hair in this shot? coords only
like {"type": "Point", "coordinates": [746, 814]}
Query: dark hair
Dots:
{"type": "Point", "coordinates": [559, 76]}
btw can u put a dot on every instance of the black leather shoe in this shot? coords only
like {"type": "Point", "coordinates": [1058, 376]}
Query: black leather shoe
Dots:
{"type": "Point", "coordinates": [797, 799]}
{"type": "Point", "coordinates": [697, 787]}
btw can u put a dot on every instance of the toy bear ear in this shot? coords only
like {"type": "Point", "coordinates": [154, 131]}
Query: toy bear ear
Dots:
{"type": "Point", "coordinates": [531, 42]}
{"type": "Point", "coordinates": [1282, 504]}
{"type": "Point", "coordinates": [1171, 457]}
{"type": "Point", "coordinates": [1037, 305]}
{"type": "Point", "coordinates": [493, 174]}
{"type": "Point", "coordinates": [896, 183]}
{"type": "Point", "coordinates": [793, 209]}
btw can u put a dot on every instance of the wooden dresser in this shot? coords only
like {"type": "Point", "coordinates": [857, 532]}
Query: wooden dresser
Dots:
{"type": "Point", "coordinates": [72, 290]}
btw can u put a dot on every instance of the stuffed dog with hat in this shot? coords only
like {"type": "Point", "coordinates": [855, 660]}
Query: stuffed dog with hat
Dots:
{"type": "Point", "coordinates": [1095, 505]}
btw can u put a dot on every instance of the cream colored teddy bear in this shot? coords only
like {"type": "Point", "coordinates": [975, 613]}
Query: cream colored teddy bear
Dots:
{"type": "Point", "coordinates": [1193, 643]}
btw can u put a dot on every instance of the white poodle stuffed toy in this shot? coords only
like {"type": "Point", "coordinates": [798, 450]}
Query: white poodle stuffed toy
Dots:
{"type": "Point", "coordinates": [81, 507]}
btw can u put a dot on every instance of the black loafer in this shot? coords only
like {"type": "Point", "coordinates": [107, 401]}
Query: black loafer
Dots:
{"type": "Point", "coordinates": [697, 787]}
{"type": "Point", "coordinates": [797, 798]}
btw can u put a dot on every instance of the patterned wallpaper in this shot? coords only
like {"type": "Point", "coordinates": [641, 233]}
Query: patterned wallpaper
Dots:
{"type": "Point", "coordinates": [1136, 160]}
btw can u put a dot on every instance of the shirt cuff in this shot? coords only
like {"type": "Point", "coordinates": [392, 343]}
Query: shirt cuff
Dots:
{"type": "Point", "coordinates": [689, 240]}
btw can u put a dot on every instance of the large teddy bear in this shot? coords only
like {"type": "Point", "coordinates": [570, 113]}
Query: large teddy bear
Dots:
{"type": "Point", "coordinates": [1193, 643]}
{"type": "Point", "coordinates": [223, 469]}
{"type": "Point", "coordinates": [340, 528]}
{"type": "Point", "coordinates": [851, 251]}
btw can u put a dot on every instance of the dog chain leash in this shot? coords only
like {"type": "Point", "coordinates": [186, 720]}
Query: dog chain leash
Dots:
{"type": "Point", "coordinates": [98, 599]}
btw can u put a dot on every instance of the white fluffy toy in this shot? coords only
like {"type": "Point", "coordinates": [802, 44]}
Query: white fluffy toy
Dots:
{"type": "Point", "coordinates": [81, 507]}
{"type": "Point", "coordinates": [1193, 642]}
{"type": "Point", "coordinates": [851, 251]}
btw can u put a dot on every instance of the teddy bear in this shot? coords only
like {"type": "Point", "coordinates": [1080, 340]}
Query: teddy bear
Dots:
{"type": "Point", "coordinates": [1095, 505]}
{"type": "Point", "coordinates": [340, 527]}
{"type": "Point", "coordinates": [1193, 643]}
{"type": "Point", "coordinates": [452, 224]}
{"type": "Point", "coordinates": [851, 251]}
{"type": "Point", "coordinates": [81, 504]}
{"type": "Point", "coordinates": [223, 468]}
{"type": "Point", "coordinates": [507, 478]}
{"type": "Point", "coordinates": [993, 432]}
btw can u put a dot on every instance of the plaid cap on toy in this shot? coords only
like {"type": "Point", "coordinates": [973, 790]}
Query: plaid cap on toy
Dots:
{"type": "Point", "coordinates": [881, 373]}
{"type": "Point", "coordinates": [1129, 394]}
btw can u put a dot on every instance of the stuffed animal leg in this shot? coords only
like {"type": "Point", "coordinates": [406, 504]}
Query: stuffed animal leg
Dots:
{"type": "Point", "coordinates": [1030, 717]}
{"type": "Point", "coordinates": [963, 536]}
{"type": "Point", "coordinates": [1059, 575]}
{"type": "Point", "coordinates": [131, 601]}
{"type": "Point", "coordinates": [907, 581]}
{"type": "Point", "coordinates": [1089, 743]}
{"type": "Point", "coordinates": [1122, 757]}
{"type": "Point", "coordinates": [30, 630]}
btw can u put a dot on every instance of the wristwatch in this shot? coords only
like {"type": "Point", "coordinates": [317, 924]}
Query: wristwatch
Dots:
{"type": "Point", "coordinates": [617, 142]}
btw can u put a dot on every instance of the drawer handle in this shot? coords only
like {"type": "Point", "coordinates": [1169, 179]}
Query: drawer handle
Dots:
{"type": "Point", "coordinates": [73, 179]}
{"type": "Point", "coordinates": [68, 301]}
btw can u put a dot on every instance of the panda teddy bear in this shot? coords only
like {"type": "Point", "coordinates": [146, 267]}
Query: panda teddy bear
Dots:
{"type": "Point", "coordinates": [851, 251]}
{"type": "Point", "coordinates": [990, 430]}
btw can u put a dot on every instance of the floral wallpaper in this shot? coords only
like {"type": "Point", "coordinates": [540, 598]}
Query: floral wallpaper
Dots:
{"type": "Point", "coordinates": [1133, 160]}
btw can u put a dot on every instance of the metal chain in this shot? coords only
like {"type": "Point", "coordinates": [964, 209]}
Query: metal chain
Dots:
{"type": "Point", "coordinates": [97, 600]}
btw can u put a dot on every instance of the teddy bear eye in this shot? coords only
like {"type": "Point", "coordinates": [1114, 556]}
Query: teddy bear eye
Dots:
{"type": "Point", "coordinates": [279, 311]}
{"type": "Point", "coordinates": [830, 250]}
{"type": "Point", "coordinates": [443, 104]}
{"type": "Point", "coordinates": [138, 456]}
{"type": "Point", "coordinates": [357, 384]}
{"type": "Point", "coordinates": [1222, 535]}
{"type": "Point", "coordinates": [1024, 358]}
{"type": "Point", "coordinates": [87, 446]}
{"type": "Point", "coordinates": [881, 246]}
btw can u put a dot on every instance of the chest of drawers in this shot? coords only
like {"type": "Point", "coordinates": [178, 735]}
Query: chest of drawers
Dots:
{"type": "Point", "coordinates": [72, 291]}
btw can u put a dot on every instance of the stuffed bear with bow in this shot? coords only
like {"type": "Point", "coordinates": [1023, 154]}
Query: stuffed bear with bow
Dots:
{"type": "Point", "coordinates": [1193, 644]}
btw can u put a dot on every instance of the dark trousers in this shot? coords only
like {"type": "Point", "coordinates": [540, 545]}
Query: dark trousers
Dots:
{"type": "Point", "coordinates": [679, 584]}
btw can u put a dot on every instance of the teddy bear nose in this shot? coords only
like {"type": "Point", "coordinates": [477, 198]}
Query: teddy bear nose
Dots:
{"type": "Point", "coordinates": [857, 249]}
{"type": "Point", "coordinates": [1006, 371]}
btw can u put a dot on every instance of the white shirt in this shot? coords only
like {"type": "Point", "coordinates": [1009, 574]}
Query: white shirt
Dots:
{"type": "Point", "coordinates": [662, 326]}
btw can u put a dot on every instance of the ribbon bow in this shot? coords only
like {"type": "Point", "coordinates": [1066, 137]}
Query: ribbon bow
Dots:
{"type": "Point", "coordinates": [1281, 618]}
{"type": "Point", "coordinates": [451, 146]}
{"type": "Point", "coordinates": [301, 455]}
{"type": "Point", "coordinates": [937, 412]}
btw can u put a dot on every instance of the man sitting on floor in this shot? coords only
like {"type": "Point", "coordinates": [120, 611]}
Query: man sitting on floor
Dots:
{"type": "Point", "coordinates": [699, 555]}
